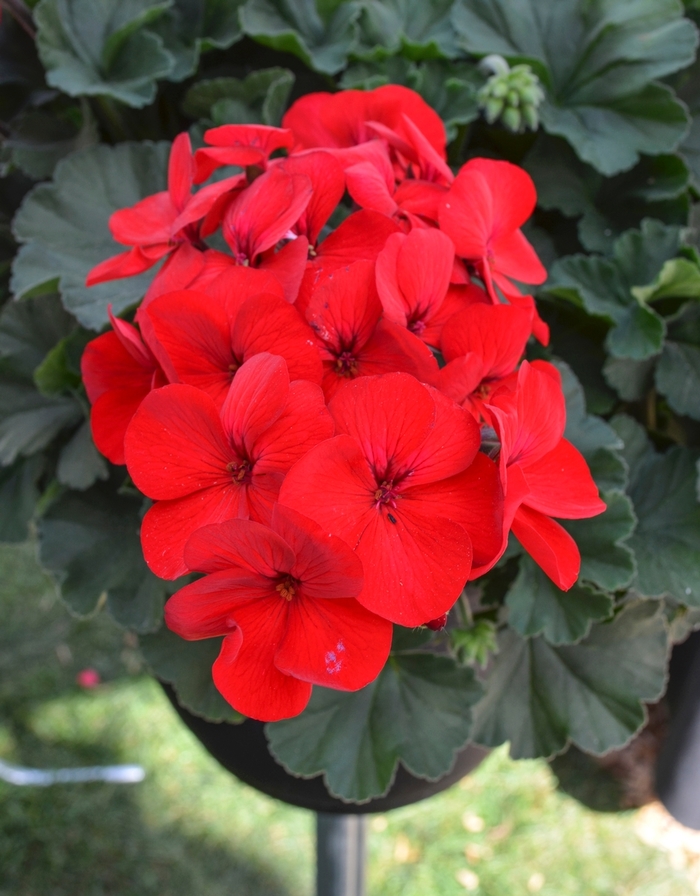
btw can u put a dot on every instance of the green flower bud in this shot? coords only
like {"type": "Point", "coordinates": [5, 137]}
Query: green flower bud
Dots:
{"type": "Point", "coordinates": [530, 116]}
{"type": "Point", "coordinates": [512, 119]}
{"type": "Point", "coordinates": [493, 109]}
{"type": "Point", "coordinates": [497, 87]}
{"type": "Point", "coordinates": [513, 98]}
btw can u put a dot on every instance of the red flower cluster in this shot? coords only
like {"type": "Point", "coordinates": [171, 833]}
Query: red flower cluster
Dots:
{"type": "Point", "coordinates": [283, 407]}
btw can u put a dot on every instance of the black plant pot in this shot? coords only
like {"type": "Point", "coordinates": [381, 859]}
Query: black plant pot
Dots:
{"type": "Point", "coordinates": [242, 750]}
{"type": "Point", "coordinates": [678, 767]}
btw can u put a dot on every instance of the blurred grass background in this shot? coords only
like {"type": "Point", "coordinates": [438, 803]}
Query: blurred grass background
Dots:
{"type": "Point", "coordinates": [190, 829]}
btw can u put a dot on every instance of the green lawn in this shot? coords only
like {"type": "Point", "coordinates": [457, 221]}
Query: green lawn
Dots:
{"type": "Point", "coordinates": [192, 830]}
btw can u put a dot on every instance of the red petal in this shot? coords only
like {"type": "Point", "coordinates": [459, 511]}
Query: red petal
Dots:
{"type": "Point", "coordinates": [549, 545]}
{"type": "Point", "coordinates": [459, 378]}
{"type": "Point", "coordinates": [180, 171]}
{"type": "Point", "coordinates": [561, 485]}
{"type": "Point", "coordinates": [146, 223]}
{"type": "Point", "coordinates": [334, 643]}
{"type": "Point", "coordinates": [167, 525]}
{"type": "Point", "coordinates": [126, 264]}
{"type": "Point", "coordinates": [515, 257]}
{"type": "Point", "coordinates": [361, 236]}
{"type": "Point", "coordinates": [204, 608]}
{"type": "Point", "coordinates": [199, 205]}
{"type": "Point", "coordinates": [344, 311]}
{"type": "Point", "coordinates": [269, 324]}
{"type": "Point", "coordinates": [208, 160]}
{"type": "Point", "coordinates": [369, 189]}
{"type": "Point", "coordinates": [236, 283]}
{"type": "Point", "coordinates": [257, 396]}
{"type": "Point", "coordinates": [390, 416]}
{"type": "Point", "coordinates": [413, 274]}
{"type": "Point", "coordinates": [245, 673]}
{"type": "Point", "coordinates": [110, 416]}
{"type": "Point", "coordinates": [328, 183]}
{"type": "Point", "coordinates": [175, 444]}
{"type": "Point", "coordinates": [325, 565]}
{"type": "Point", "coordinates": [262, 214]}
{"type": "Point", "coordinates": [287, 266]}
{"type": "Point", "coordinates": [497, 334]}
{"type": "Point", "coordinates": [239, 543]}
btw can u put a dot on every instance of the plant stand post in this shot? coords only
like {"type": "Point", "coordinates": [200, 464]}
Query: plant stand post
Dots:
{"type": "Point", "coordinates": [341, 847]}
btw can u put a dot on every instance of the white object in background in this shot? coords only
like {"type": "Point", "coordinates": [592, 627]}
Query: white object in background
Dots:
{"type": "Point", "coordinates": [34, 777]}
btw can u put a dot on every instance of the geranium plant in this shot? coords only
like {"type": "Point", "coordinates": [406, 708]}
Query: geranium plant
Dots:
{"type": "Point", "coordinates": [362, 384]}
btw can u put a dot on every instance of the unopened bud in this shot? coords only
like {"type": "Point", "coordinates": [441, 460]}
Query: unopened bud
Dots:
{"type": "Point", "coordinates": [438, 624]}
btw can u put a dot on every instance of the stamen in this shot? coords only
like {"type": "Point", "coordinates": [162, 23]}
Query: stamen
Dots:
{"type": "Point", "coordinates": [386, 495]}
{"type": "Point", "coordinates": [286, 588]}
{"type": "Point", "coordinates": [346, 365]}
{"type": "Point", "coordinates": [240, 472]}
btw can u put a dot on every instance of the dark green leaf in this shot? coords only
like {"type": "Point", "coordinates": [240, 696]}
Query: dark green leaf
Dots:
{"type": "Point", "coordinates": [586, 431]}
{"type": "Point", "coordinates": [450, 88]}
{"type": "Point", "coordinates": [631, 379]}
{"type": "Point", "coordinates": [418, 30]}
{"type": "Point", "coordinates": [80, 464]}
{"type": "Point", "coordinates": [65, 227]}
{"type": "Point", "coordinates": [18, 497]}
{"type": "Point", "coordinates": [598, 62]}
{"type": "Point", "coordinates": [606, 561]}
{"type": "Point", "coordinates": [191, 26]}
{"type": "Point", "coordinates": [604, 287]}
{"type": "Point", "coordinates": [187, 666]}
{"type": "Point", "coordinates": [678, 378]}
{"type": "Point", "coordinates": [606, 207]}
{"type": "Point", "coordinates": [260, 98]}
{"type": "Point", "coordinates": [102, 49]}
{"type": "Point", "coordinates": [666, 542]}
{"type": "Point", "coordinates": [89, 542]}
{"type": "Point", "coordinates": [298, 28]}
{"type": "Point", "coordinates": [636, 447]}
{"type": "Point", "coordinates": [42, 137]}
{"type": "Point", "coordinates": [54, 376]}
{"type": "Point", "coordinates": [29, 420]}
{"type": "Point", "coordinates": [417, 712]}
{"type": "Point", "coordinates": [539, 696]}
{"type": "Point", "coordinates": [536, 606]}
{"type": "Point", "coordinates": [28, 332]}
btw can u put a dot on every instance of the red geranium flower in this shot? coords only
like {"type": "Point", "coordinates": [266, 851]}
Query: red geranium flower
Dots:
{"type": "Point", "coordinates": [406, 487]}
{"type": "Point", "coordinates": [283, 598]}
{"type": "Point", "coordinates": [486, 206]}
{"type": "Point", "coordinates": [482, 346]}
{"type": "Point", "coordinates": [345, 314]}
{"type": "Point", "coordinates": [245, 145]}
{"type": "Point", "coordinates": [119, 370]}
{"type": "Point", "coordinates": [209, 337]}
{"type": "Point", "coordinates": [202, 465]}
{"type": "Point", "coordinates": [413, 275]}
{"type": "Point", "coordinates": [543, 474]}
{"type": "Point", "coordinates": [154, 228]}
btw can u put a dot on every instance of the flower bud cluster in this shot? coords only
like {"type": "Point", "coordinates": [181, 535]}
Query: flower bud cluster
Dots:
{"type": "Point", "coordinates": [511, 95]}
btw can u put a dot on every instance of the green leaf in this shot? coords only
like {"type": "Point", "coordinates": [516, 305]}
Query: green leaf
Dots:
{"type": "Point", "coordinates": [417, 30]}
{"type": "Point", "coordinates": [298, 28]}
{"type": "Point", "coordinates": [89, 543]}
{"type": "Point", "coordinates": [636, 447]}
{"type": "Point", "coordinates": [259, 98]}
{"type": "Point", "coordinates": [80, 464]}
{"type": "Point", "coordinates": [606, 207]}
{"type": "Point", "coordinates": [540, 696]}
{"type": "Point", "coordinates": [666, 542]}
{"type": "Point", "coordinates": [679, 278]}
{"type": "Point", "coordinates": [18, 497]}
{"type": "Point", "coordinates": [29, 421]}
{"type": "Point", "coordinates": [65, 227]}
{"type": "Point", "coordinates": [536, 606]}
{"type": "Point", "coordinates": [603, 286]}
{"type": "Point", "coordinates": [54, 376]}
{"type": "Point", "coordinates": [597, 62]}
{"type": "Point", "coordinates": [631, 379]}
{"type": "Point", "coordinates": [192, 26]}
{"type": "Point", "coordinates": [186, 665]}
{"type": "Point", "coordinates": [102, 49]}
{"type": "Point", "coordinates": [417, 712]}
{"type": "Point", "coordinates": [606, 561]}
{"type": "Point", "coordinates": [586, 431]}
{"type": "Point", "coordinates": [678, 378]}
{"type": "Point", "coordinates": [28, 332]}
{"type": "Point", "coordinates": [450, 88]}
{"type": "Point", "coordinates": [42, 137]}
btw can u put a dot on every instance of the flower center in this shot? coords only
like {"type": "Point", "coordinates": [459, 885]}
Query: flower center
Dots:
{"type": "Point", "coordinates": [287, 587]}
{"type": "Point", "coordinates": [233, 367]}
{"type": "Point", "coordinates": [386, 494]}
{"type": "Point", "coordinates": [346, 365]}
{"type": "Point", "coordinates": [241, 472]}
{"type": "Point", "coordinates": [417, 326]}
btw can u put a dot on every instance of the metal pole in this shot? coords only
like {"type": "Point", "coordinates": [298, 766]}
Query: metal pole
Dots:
{"type": "Point", "coordinates": [340, 855]}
